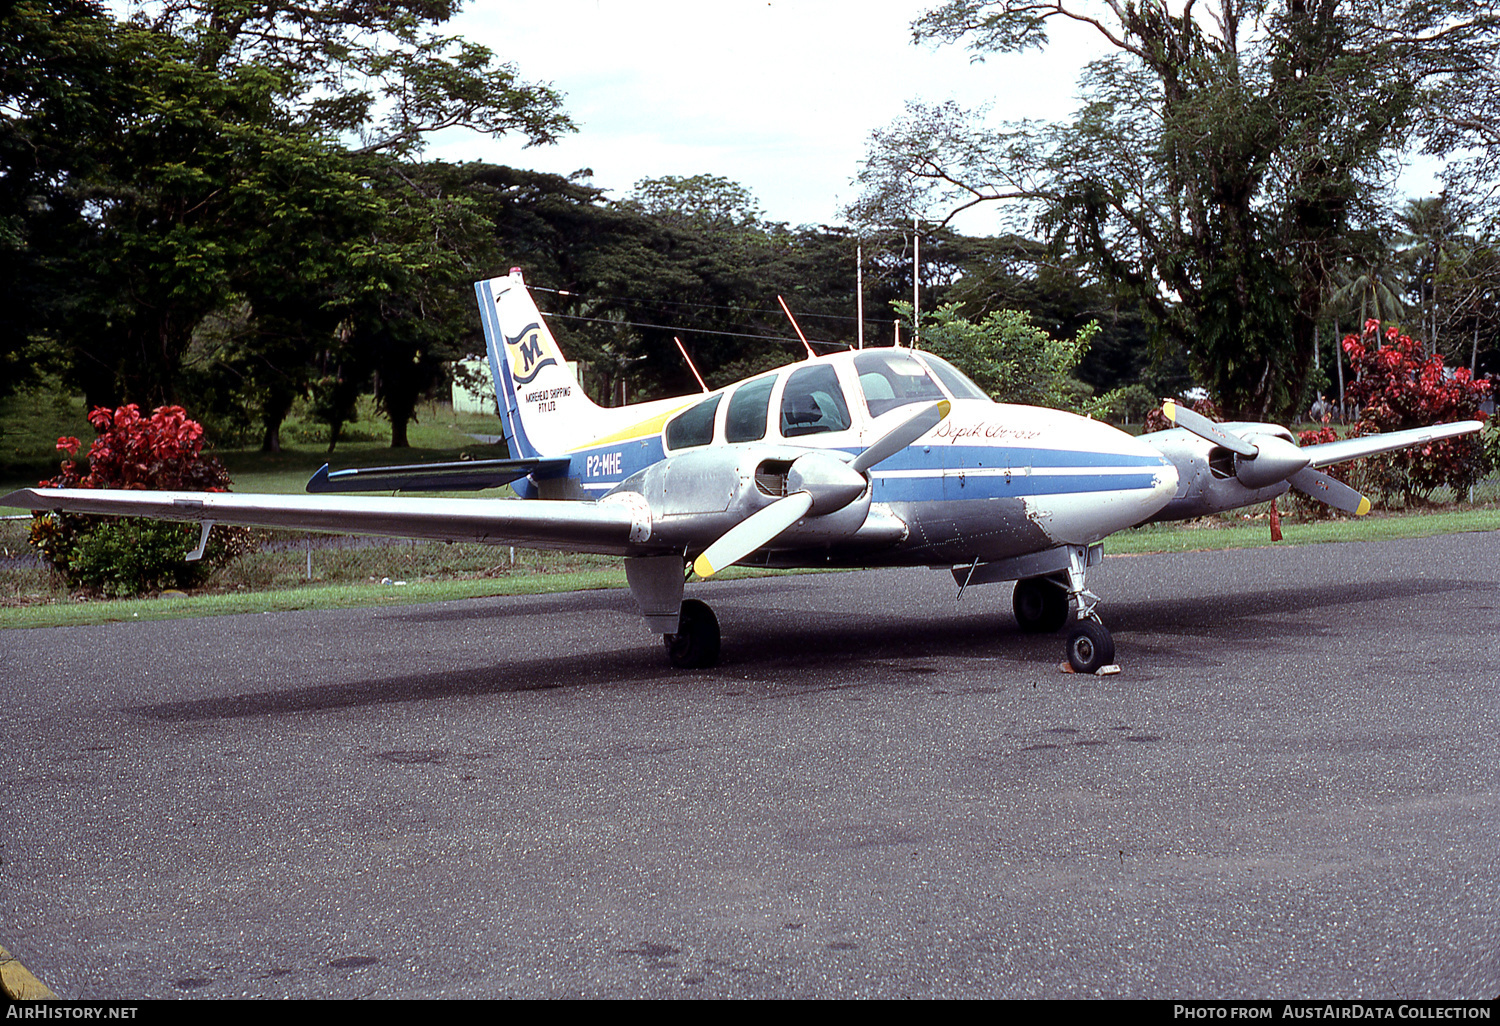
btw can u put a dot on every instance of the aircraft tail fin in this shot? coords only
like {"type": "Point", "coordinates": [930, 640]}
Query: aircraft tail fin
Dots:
{"type": "Point", "coordinates": [543, 410]}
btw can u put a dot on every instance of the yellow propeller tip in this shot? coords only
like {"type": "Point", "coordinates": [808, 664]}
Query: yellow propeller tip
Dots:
{"type": "Point", "coordinates": [944, 408]}
{"type": "Point", "coordinates": [1364, 507]}
{"type": "Point", "coordinates": [1170, 409]}
{"type": "Point", "coordinates": [703, 568]}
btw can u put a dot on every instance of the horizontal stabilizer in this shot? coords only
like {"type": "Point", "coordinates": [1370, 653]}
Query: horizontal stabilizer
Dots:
{"type": "Point", "coordinates": [460, 476]}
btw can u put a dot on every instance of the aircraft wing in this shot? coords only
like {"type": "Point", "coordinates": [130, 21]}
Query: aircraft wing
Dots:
{"type": "Point", "coordinates": [604, 527]}
{"type": "Point", "coordinates": [1329, 453]}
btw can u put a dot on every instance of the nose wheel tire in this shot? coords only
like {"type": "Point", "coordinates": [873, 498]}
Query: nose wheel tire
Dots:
{"type": "Point", "coordinates": [695, 646]}
{"type": "Point", "coordinates": [1090, 647]}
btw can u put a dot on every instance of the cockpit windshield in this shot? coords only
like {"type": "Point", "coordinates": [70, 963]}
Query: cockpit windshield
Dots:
{"type": "Point", "coordinates": [892, 377]}
{"type": "Point", "coordinates": [954, 380]}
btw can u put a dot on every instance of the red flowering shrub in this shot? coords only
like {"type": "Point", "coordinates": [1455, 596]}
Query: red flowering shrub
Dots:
{"type": "Point", "coordinates": [129, 555]}
{"type": "Point", "coordinates": [1399, 386]}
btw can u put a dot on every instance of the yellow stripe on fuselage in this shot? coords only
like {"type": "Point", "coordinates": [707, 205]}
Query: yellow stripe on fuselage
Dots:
{"type": "Point", "coordinates": [644, 429]}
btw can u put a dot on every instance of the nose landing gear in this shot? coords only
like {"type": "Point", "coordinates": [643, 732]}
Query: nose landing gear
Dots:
{"type": "Point", "coordinates": [1090, 647]}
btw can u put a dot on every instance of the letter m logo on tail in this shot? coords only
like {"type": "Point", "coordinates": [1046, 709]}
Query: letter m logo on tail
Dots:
{"type": "Point", "coordinates": [525, 353]}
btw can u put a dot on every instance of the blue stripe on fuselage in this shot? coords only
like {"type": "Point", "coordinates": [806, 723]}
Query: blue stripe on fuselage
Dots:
{"type": "Point", "coordinates": [601, 467]}
{"type": "Point", "coordinates": [918, 457]}
{"type": "Point", "coordinates": [936, 486]}
{"type": "Point", "coordinates": [986, 472]}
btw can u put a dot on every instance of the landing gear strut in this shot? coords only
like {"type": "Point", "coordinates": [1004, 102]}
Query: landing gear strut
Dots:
{"type": "Point", "coordinates": [1089, 645]}
{"type": "Point", "coordinates": [695, 646]}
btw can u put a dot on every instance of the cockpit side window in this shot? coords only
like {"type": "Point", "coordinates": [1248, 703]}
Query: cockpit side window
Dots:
{"type": "Point", "coordinates": [695, 426]}
{"type": "Point", "coordinates": [892, 377]}
{"type": "Point", "coordinates": [748, 410]}
{"type": "Point", "coordinates": [812, 402]}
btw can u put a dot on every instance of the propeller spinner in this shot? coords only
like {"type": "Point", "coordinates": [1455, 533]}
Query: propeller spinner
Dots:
{"type": "Point", "coordinates": [818, 482]}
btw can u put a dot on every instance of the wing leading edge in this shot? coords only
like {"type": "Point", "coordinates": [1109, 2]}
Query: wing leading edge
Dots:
{"type": "Point", "coordinates": [605, 527]}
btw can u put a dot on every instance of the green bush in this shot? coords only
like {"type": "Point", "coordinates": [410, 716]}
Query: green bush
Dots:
{"type": "Point", "coordinates": [124, 556]}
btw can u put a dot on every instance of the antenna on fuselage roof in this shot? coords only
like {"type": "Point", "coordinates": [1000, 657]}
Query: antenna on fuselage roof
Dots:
{"type": "Point", "coordinates": [796, 327]}
{"type": "Point", "coordinates": [683, 350]}
{"type": "Point", "coordinates": [916, 281]}
{"type": "Point", "coordinates": [859, 290]}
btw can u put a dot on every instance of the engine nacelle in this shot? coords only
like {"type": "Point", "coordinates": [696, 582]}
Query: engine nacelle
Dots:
{"type": "Point", "coordinates": [697, 496]}
{"type": "Point", "coordinates": [1209, 476]}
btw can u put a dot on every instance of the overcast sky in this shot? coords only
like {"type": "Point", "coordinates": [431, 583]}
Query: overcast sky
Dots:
{"type": "Point", "coordinates": [780, 97]}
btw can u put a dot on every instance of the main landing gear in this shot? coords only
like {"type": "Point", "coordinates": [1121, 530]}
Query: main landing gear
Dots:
{"type": "Point", "coordinates": [695, 646]}
{"type": "Point", "coordinates": [1041, 604]}
{"type": "Point", "coordinates": [1044, 605]}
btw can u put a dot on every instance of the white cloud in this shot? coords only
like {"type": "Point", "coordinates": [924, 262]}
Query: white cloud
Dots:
{"type": "Point", "coordinates": [780, 97]}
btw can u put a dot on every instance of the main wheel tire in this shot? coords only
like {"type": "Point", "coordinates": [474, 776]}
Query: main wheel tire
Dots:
{"type": "Point", "coordinates": [1041, 607]}
{"type": "Point", "coordinates": [1090, 646]}
{"type": "Point", "coordinates": [695, 646]}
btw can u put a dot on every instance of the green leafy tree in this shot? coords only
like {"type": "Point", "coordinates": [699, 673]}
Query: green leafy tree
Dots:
{"type": "Point", "coordinates": [191, 162]}
{"type": "Point", "coordinates": [1217, 165]}
{"type": "Point", "coordinates": [58, 74]}
{"type": "Point", "coordinates": [1008, 356]}
{"type": "Point", "coordinates": [382, 70]}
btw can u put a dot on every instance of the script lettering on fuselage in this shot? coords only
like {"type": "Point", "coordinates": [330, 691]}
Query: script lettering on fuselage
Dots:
{"type": "Point", "coordinates": [546, 398]}
{"type": "Point", "coordinates": [603, 464]}
{"type": "Point", "coordinates": [953, 433]}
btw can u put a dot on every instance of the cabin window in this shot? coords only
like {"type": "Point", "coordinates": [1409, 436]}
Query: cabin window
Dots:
{"type": "Point", "coordinates": [748, 409]}
{"type": "Point", "coordinates": [892, 377]}
{"type": "Point", "coordinates": [695, 426]}
{"type": "Point", "coordinates": [812, 402]}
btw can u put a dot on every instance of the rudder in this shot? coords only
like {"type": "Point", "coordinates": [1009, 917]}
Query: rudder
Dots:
{"type": "Point", "coordinates": [543, 409]}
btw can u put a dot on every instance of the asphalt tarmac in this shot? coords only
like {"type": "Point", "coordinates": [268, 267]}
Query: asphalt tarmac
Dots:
{"type": "Point", "coordinates": [1290, 791]}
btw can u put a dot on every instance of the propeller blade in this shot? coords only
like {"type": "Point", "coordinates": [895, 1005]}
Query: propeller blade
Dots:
{"type": "Point", "coordinates": [1205, 428]}
{"type": "Point", "coordinates": [902, 435]}
{"type": "Point", "coordinates": [751, 533]}
{"type": "Point", "coordinates": [1329, 490]}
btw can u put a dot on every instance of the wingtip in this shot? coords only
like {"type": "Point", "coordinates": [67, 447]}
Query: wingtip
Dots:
{"type": "Point", "coordinates": [318, 483]}
{"type": "Point", "coordinates": [21, 498]}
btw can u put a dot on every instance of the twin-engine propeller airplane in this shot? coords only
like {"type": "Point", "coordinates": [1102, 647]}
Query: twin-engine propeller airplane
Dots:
{"type": "Point", "coordinates": [876, 457]}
